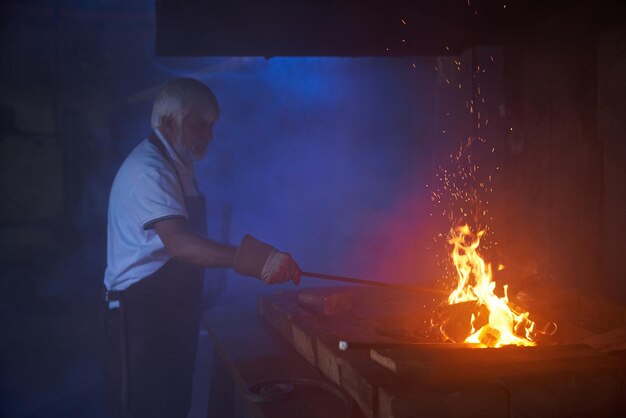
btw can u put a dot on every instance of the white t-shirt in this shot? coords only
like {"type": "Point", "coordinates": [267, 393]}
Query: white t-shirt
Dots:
{"type": "Point", "coordinates": [146, 189]}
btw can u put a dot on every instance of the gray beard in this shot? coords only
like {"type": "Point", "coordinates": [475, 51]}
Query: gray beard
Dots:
{"type": "Point", "coordinates": [185, 153]}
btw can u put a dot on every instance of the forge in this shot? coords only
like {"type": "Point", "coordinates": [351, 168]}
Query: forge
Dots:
{"type": "Point", "coordinates": [393, 363]}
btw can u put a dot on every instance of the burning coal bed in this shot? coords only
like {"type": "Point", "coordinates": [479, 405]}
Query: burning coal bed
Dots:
{"type": "Point", "coordinates": [474, 314]}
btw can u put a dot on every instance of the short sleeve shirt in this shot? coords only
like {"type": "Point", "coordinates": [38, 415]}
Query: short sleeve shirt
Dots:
{"type": "Point", "coordinates": [147, 188]}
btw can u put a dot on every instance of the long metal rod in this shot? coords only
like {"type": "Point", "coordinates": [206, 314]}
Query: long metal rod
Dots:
{"type": "Point", "coordinates": [365, 345]}
{"type": "Point", "coordinates": [374, 283]}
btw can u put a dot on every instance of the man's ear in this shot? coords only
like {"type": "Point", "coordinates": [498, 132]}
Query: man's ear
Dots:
{"type": "Point", "coordinates": [168, 127]}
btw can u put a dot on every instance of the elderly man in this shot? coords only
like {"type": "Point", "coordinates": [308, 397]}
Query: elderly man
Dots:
{"type": "Point", "coordinates": [156, 252]}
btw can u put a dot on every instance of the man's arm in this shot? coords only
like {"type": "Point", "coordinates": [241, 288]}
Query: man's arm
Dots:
{"type": "Point", "coordinates": [181, 243]}
{"type": "Point", "coordinates": [252, 257]}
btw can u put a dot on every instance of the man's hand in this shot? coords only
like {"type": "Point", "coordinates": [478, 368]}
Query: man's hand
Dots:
{"type": "Point", "coordinates": [258, 259]}
{"type": "Point", "coordinates": [279, 268]}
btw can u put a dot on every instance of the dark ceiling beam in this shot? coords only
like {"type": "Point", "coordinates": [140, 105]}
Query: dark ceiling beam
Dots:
{"type": "Point", "coordinates": [346, 27]}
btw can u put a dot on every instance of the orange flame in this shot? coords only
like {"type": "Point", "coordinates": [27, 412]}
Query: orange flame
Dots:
{"type": "Point", "coordinates": [505, 327]}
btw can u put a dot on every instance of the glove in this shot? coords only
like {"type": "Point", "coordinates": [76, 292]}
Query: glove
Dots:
{"type": "Point", "coordinates": [257, 259]}
{"type": "Point", "coordinates": [280, 268]}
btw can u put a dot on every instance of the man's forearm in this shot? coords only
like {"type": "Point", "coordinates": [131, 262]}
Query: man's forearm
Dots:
{"type": "Point", "coordinates": [184, 244]}
{"type": "Point", "coordinates": [196, 249]}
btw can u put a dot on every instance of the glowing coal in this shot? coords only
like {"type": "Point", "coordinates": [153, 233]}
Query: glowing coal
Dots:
{"type": "Point", "coordinates": [475, 284]}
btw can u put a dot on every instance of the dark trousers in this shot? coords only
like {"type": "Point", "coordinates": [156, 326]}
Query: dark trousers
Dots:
{"type": "Point", "coordinates": [150, 345]}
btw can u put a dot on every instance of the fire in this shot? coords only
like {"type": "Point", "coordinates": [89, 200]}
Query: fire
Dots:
{"type": "Point", "coordinates": [503, 326]}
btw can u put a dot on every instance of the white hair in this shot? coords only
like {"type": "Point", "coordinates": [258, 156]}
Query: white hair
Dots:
{"type": "Point", "coordinates": [177, 97]}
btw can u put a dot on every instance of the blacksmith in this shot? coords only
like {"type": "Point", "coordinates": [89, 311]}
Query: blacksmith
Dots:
{"type": "Point", "coordinates": [156, 252]}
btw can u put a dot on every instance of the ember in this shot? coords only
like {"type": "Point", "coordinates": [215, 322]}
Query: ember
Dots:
{"type": "Point", "coordinates": [503, 326]}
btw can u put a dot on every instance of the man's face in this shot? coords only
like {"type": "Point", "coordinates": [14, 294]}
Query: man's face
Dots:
{"type": "Point", "coordinates": [196, 131]}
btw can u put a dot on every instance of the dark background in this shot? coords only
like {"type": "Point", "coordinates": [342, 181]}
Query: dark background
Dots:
{"type": "Point", "coordinates": [329, 150]}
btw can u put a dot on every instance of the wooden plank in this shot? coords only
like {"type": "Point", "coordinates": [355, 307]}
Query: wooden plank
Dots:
{"type": "Point", "coordinates": [295, 325]}
{"type": "Point", "coordinates": [425, 362]}
{"type": "Point", "coordinates": [326, 301]}
{"type": "Point", "coordinates": [362, 380]}
{"type": "Point", "coordinates": [304, 344]}
{"type": "Point", "coordinates": [329, 360]}
{"type": "Point", "coordinates": [278, 316]}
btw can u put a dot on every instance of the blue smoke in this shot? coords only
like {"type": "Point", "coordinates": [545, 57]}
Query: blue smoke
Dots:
{"type": "Point", "coordinates": [308, 149]}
